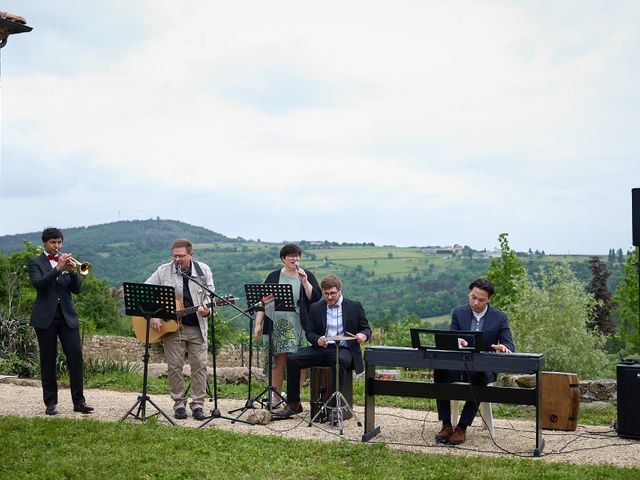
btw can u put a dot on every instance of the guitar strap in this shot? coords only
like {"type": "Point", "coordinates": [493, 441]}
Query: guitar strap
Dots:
{"type": "Point", "coordinates": [200, 273]}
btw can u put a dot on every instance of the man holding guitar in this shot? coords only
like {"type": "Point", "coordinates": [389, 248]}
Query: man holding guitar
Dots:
{"type": "Point", "coordinates": [192, 336]}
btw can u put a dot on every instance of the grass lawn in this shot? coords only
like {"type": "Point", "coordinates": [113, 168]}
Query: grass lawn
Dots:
{"type": "Point", "coordinates": [85, 449]}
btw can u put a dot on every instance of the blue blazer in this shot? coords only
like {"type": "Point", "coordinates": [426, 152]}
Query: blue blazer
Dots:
{"type": "Point", "coordinates": [52, 287]}
{"type": "Point", "coordinates": [495, 329]}
{"type": "Point", "coordinates": [354, 321]}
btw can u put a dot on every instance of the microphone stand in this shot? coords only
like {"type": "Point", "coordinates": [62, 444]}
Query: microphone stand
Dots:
{"type": "Point", "coordinates": [249, 404]}
{"type": "Point", "coordinates": [215, 412]}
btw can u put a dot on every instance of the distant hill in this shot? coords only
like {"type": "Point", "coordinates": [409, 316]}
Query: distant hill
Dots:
{"type": "Point", "coordinates": [392, 282]}
{"type": "Point", "coordinates": [125, 232]}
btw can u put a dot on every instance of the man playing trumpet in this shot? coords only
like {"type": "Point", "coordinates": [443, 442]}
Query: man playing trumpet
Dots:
{"type": "Point", "coordinates": [53, 316]}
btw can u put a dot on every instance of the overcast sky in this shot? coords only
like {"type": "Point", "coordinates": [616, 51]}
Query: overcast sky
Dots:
{"type": "Point", "coordinates": [398, 122]}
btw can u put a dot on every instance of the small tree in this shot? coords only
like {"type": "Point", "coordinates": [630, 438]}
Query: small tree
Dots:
{"type": "Point", "coordinates": [550, 315]}
{"type": "Point", "coordinates": [626, 299]}
{"type": "Point", "coordinates": [601, 317]}
{"type": "Point", "coordinates": [16, 292]}
{"type": "Point", "coordinates": [505, 273]}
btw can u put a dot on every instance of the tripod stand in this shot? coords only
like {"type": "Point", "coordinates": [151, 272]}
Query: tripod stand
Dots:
{"type": "Point", "coordinates": [148, 301]}
{"type": "Point", "coordinates": [337, 404]}
{"type": "Point", "coordinates": [215, 412]}
{"type": "Point", "coordinates": [284, 301]}
{"type": "Point", "coordinates": [267, 303]}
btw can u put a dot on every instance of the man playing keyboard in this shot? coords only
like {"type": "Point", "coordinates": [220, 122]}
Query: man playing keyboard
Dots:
{"type": "Point", "coordinates": [478, 315]}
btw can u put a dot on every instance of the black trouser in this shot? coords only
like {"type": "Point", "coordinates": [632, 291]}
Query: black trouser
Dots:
{"type": "Point", "coordinates": [72, 348]}
{"type": "Point", "coordinates": [470, 407]}
{"type": "Point", "coordinates": [316, 357]}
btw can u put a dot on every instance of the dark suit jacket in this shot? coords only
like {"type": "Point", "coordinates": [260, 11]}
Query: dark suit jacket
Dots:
{"type": "Point", "coordinates": [52, 287]}
{"type": "Point", "coordinates": [495, 329]}
{"type": "Point", "coordinates": [305, 303]}
{"type": "Point", "coordinates": [354, 321]}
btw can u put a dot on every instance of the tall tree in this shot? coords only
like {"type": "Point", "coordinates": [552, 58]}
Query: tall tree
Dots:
{"type": "Point", "coordinates": [620, 256]}
{"type": "Point", "coordinates": [626, 298]}
{"type": "Point", "coordinates": [505, 272]}
{"type": "Point", "coordinates": [601, 320]}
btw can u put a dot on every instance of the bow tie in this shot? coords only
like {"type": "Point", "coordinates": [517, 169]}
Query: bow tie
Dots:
{"type": "Point", "coordinates": [53, 257]}
{"type": "Point", "coordinates": [335, 305]}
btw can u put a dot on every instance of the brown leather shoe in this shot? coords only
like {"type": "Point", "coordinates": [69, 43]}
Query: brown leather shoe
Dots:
{"type": "Point", "coordinates": [458, 436]}
{"type": "Point", "coordinates": [443, 435]}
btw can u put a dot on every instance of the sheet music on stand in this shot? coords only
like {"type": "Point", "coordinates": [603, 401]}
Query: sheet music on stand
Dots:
{"type": "Point", "coordinates": [284, 301]}
{"type": "Point", "coordinates": [270, 309]}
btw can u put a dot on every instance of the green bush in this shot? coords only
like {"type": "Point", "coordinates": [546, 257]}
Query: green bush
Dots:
{"type": "Point", "coordinates": [18, 347]}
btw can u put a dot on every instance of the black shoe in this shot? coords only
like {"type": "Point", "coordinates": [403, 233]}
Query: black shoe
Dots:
{"type": "Point", "coordinates": [51, 409]}
{"type": "Point", "coordinates": [289, 411]}
{"type": "Point", "coordinates": [198, 414]}
{"type": "Point", "coordinates": [82, 408]}
{"type": "Point", "coordinates": [180, 413]}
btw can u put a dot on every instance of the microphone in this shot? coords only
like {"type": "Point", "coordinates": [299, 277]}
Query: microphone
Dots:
{"type": "Point", "coordinates": [297, 265]}
{"type": "Point", "coordinates": [178, 269]}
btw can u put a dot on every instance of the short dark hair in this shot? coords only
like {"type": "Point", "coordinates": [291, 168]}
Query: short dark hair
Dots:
{"type": "Point", "coordinates": [290, 249]}
{"type": "Point", "coordinates": [330, 281]}
{"type": "Point", "coordinates": [50, 233]}
{"type": "Point", "coordinates": [182, 243]}
{"type": "Point", "coordinates": [482, 284]}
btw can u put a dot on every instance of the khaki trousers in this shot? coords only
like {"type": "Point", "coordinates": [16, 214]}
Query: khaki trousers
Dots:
{"type": "Point", "coordinates": [188, 340]}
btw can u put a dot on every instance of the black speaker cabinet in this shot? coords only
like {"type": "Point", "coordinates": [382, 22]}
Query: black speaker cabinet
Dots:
{"type": "Point", "coordinates": [635, 215]}
{"type": "Point", "coordinates": [628, 374]}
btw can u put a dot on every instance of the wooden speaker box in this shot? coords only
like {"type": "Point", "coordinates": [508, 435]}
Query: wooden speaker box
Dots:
{"type": "Point", "coordinates": [560, 400]}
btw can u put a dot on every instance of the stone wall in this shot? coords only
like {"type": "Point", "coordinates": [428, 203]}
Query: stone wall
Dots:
{"type": "Point", "coordinates": [598, 391]}
{"type": "Point", "coordinates": [131, 350]}
{"type": "Point", "coordinates": [590, 390]}
{"type": "Point", "coordinates": [238, 356]}
{"type": "Point", "coordinates": [119, 348]}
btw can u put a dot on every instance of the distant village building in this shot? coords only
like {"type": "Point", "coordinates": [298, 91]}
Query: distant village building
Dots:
{"type": "Point", "coordinates": [448, 250]}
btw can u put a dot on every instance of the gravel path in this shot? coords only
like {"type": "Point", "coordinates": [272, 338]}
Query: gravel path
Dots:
{"type": "Point", "coordinates": [402, 429]}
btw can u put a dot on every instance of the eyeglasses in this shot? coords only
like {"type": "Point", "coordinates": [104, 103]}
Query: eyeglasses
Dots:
{"type": "Point", "coordinates": [293, 255]}
{"type": "Point", "coordinates": [331, 294]}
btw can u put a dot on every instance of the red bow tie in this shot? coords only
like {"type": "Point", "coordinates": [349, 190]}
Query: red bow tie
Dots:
{"type": "Point", "coordinates": [53, 257]}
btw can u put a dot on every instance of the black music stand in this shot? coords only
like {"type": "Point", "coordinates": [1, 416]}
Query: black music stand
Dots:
{"type": "Point", "coordinates": [145, 300]}
{"type": "Point", "coordinates": [260, 305]}
{"type": "Point", "coordinates": [284, 302]}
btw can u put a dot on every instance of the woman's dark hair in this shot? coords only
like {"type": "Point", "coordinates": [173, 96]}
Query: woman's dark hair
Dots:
{"type": "Point", "coordinates": [290, 249]}
{"type": "Point", "coordinates": [49, 233]}
{"type": "Point", "coordinates": [482, 284]}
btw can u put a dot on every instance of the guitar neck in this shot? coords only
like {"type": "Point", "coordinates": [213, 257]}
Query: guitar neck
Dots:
{"type": "Point", "coordinates": [218, 303]}
{"type": "Point", "coordinates": [189, 310]}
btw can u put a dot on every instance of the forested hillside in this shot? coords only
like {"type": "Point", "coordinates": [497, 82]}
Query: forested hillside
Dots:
{"type": "Point", "coordinates": [392, 282]}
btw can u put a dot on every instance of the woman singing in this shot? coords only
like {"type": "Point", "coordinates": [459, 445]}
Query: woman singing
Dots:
{"type": "Point", "coordinates": [287, 328]}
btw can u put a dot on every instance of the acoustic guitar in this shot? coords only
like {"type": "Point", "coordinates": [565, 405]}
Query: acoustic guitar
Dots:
{"type": "Point", "coordinates": [169, 326]}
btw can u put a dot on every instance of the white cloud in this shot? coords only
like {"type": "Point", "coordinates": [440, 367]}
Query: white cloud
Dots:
{"type": "Point", "coordinates": [401, 114]}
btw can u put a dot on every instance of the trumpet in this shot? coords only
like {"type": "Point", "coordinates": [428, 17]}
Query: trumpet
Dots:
{"type": "Point", "coordinates": [84, 268]}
